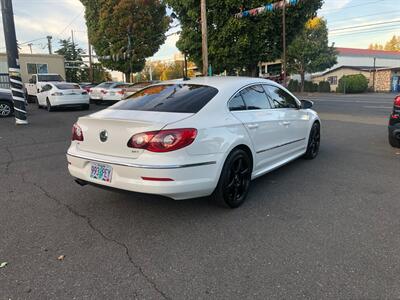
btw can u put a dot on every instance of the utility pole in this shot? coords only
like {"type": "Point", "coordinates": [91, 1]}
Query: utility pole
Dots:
{"type": "Point", "coordinates": [185, 72]}
{"type": "Point", "coordinates": [14, 70]}
{"type": "Point", "coordinates": [49, 37]}
{"type": "Point", "coordinates": [204, 46]}
{"type": "Point", "coordinates": [91, 77]}
{"type": "Point", "coordinates": [284, 42]}
{"type": "Point", "coordinates": [30, 47]}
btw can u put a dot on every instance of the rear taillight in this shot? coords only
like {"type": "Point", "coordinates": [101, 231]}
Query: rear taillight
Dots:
{"type": "Point", "coordinates": [121, 92]}
{"type": "Point", "coordinates": [57, 94]}
{"type": "Point", "coordinates": [77, 134]}
{"type": "Point", "coordinates": [89, 90]}
{"type": "Point", "coordinates": [164, 140]}
{"type": "Point", "coordinates": [397, 101]}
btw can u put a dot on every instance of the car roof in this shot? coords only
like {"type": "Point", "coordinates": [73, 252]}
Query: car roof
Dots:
{"type": "Point", "coordinates": [222, 82]}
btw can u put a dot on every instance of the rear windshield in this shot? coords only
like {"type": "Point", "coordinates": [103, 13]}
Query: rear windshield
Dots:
{"type": "Point", "coordinates": [105, 85]}
{"type": "Point", "coordinates": [50, 78]}
{"type": "Point", "coordinates": [179, 98]}
{"type": "Point", "coordinates": [67, 86]}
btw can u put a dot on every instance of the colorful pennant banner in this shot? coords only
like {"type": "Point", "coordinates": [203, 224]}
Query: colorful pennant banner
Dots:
{"type": "Point", "coordinates": [265, 8]}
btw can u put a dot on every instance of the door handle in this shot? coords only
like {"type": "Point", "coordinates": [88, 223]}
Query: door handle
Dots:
{"type": "Point", "coordinates": [252, 126]}
{"type": "Point", "coordinates": [285, 123]}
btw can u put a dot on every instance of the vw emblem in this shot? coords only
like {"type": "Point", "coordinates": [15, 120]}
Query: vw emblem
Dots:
{"type": "Point", "coordinates": [103, 135]}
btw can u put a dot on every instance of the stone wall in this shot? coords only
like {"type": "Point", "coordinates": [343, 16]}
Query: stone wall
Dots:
{"type": "Point", "coordinates": [382, 80]}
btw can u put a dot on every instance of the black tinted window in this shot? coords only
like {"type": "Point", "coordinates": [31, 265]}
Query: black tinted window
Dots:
{"type": "Point", "coordinates": [280, 98]}
{"type": "Point", "coordinates": [255, 97]}
{"type": "Point", "coordinates": [67, 86]}
{"type": "Point", "coordinates": [180, 98]}
{"type": "Point", "coordinates": [237, 103]}
{"type": "Point", "coordinates": [50, 78]}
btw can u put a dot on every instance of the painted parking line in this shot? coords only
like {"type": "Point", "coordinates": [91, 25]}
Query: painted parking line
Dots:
{"type": "Point", "coordinates": [382, 107]}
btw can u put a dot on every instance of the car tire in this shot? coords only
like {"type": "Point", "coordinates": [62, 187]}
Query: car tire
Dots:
{"type": "Point", "coordinates": [234, 182]}
{"type": "Point", "coordinates": [97, 102]}
{"type": "Point", "coordinates": [85, 107]}
{"type": "Point", "coordinates": [6, 109]}
{"type": "Point", "coordinates": [393, 141]}
{"type": "Point", "coordinates": [48, 105]}
{"type": "Point", "coordinates": [314, 140]}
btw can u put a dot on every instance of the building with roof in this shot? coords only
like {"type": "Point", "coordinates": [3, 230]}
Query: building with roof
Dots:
{"type": "Point", "coordinates": [32, 64]}
{"type": "Point", "coordinates": [381, 68]}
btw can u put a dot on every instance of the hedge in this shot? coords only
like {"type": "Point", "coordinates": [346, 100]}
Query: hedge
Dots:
{"type": "Point", "coordinates": [352, 84]}
{"type": "Point", "coordinates": [309, 86]}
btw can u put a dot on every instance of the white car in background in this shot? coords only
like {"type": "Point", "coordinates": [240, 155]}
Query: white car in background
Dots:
{"type": "Point", "coordinates": [200, 137]}
{"type": "Point", "coordinates": [62, 95]}
{"type": "Point", "coordinates": [108, 91]}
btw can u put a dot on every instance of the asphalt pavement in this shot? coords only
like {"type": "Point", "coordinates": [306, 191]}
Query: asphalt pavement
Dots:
{"type": "Point", "coordinates": [322, 229]}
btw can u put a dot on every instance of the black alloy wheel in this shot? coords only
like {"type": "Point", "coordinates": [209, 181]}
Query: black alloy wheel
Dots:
{"type": "Point", "coordinates": [234, 183]}
{"type": "Point", "coordinates": [313, 142]}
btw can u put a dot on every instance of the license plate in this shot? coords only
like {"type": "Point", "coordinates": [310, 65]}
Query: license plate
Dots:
{"type": "Point", "coordinates": [101, 172]}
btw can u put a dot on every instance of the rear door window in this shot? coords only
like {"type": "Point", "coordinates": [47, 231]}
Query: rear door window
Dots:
{"type": "Point", "coordinates": [179, 98]}
{"type": "Point", "coordinates": [237, 103]}
{"type": "Point", "coordinates": [67, 86]}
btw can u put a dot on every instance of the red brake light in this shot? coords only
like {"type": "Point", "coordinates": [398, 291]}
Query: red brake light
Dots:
{"type": "Point", "coordinates": [77, 134]}
{"type": "Point", "coordinates": [397, 101]}
{"type": "Point", "coordinates": [121, 92]}
{"type": "Point", "coordinates": [163, 140]}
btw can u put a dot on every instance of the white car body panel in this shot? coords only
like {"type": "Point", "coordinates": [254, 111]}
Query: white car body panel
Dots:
{"type": "Point", "coordinates": [70, 97]}
{"type": "Point", "coordinates": [280, 136]}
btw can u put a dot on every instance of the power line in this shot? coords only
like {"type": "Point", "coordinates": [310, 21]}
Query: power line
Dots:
{"type": "Point", "coordinates": [352, 6]}
{"type": "Point", "coordinates": [363, 16]}
{"type": "Point", "coordinates": [366, 25]}
{"type": "Point", "coordinates": [364, 31]}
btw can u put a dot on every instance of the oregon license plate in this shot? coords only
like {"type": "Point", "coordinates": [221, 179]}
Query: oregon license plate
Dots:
{"type": "Point", "coordinates": [101, 172]}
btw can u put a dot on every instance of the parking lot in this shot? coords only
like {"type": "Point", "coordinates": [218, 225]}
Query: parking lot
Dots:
{"type": "Point", "coordinates": [326, 228]}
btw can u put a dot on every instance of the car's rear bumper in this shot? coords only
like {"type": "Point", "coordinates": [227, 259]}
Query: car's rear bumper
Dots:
{"type": "Point", "coordinates": [191, 180]}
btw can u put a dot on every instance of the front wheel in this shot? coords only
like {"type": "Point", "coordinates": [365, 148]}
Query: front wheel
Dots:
{"type": "Point", "coordinates": [48, 104]}
{"type": "Point", "coordinates": [6, 109]}
{"type": "Point", "coordinates": [313, 142]}
{"type": "Point", "coordinates": [234, 183]}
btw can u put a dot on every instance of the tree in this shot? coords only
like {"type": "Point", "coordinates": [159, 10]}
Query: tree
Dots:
{"type": "Point", "coordinates": [309, 52]}
{"type": "Point", "coordinates": [125, 32]}
{"type": "Point", "coordinates": [72, 53]}
{"type": "Point", "coordinates": [236, 44]}
{"type": "Point", "coordinates": [375, 46]}
{"type": "Point", "coordinates": [393, 44]}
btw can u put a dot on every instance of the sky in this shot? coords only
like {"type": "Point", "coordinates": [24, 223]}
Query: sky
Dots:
{"type": "Point", "coordinates": [351, 23]}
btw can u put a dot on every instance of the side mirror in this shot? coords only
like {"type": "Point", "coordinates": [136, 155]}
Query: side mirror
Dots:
{"type": "Point", "coordinates": [306, 104]}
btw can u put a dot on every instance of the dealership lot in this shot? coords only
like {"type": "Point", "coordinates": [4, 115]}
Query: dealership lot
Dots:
{"type": "Point", "coordinates": [327, 228]}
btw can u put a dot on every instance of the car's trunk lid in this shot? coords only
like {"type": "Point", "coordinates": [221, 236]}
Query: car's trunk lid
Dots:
{"type": "Point", "coordinates": [120, 126]}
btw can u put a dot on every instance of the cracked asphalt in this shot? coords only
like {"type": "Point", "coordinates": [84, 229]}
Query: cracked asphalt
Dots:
{"type": "Point", "coordinates": [322, 229]}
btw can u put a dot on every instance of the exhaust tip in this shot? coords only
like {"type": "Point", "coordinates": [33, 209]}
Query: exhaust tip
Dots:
{"type": "Point", "coordinates": [81, 182]}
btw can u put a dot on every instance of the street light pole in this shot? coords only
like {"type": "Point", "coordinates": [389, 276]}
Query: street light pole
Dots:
{"type": "Point", "coordinates": [204, 46]}
{"type": "Point", "coordinates": [14, 70]}
{"type": "Point", "coordinates": [284, 42]}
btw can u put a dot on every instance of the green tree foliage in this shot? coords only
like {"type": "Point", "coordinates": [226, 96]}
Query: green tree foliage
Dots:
{"type": "Point", "coordinates": [309, 52]}
{"type": "Point", "coordinates": [238, 43]}
{"type": "Point", "coordinates": [126, 31]}
{"type": "Point", "coordinates": [72, 52]}
{"type": "Point", "coordinates": [352, 84]}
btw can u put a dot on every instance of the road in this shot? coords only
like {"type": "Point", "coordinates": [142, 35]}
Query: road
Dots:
{"type": "Point", "coordinates": [327, 228]}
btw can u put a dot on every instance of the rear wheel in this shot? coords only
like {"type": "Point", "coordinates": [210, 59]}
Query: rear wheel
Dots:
{"type": "Point", "coordinates": [393, 141]}
{"type": "Point", "coordinates": [313, 142]}
{"type": "Point", "coordinates": [6, 109]}
{"type": "Point", "coordinates": [97, 102]}
{"type": "Point", "coordinates": [234, 183]}
{"type": "Point", "coordinates": [85, 107]}
{"type": "Point", "coordinates": [48, 104]}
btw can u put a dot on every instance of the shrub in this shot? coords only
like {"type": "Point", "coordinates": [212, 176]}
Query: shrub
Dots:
{"type": "Point", "coordinates": [310, 87]}
{"type": "Point", "coordinates": [324, 87]}
{"type": "Point", "coordinates": [352, 84]}
{"type": "Point", "coordinates": [294, 86]}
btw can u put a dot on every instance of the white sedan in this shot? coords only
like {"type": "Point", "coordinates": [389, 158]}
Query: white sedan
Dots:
{"type": "Point", "coordinates": [62, 94]}
{"type": "Point", "coordinates": [200, 137]}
